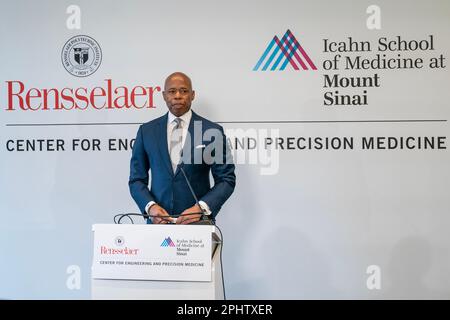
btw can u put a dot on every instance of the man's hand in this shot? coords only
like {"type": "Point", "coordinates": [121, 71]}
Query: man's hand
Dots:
{"type": "Point", "coordinates": [158, 211]}
{"type": "Point", "coordinates": [187, 217]}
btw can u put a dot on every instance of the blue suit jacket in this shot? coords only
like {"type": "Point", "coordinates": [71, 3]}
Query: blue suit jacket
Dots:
{"type": "Point", "coordinates": [169, 189]}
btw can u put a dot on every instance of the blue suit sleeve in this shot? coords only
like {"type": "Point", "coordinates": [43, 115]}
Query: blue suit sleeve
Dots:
{"type": "Point", "coordinates": [224, 179]}
{"type": "Point", "coordinates": [139, 167]}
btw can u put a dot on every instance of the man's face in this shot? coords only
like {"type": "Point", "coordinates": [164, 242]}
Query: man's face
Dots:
{"type": "Point", "coordinates": [178, 94]}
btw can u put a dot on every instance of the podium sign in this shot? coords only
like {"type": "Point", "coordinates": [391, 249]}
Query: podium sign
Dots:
{"type": "Point", "coordinates": [152, 252]}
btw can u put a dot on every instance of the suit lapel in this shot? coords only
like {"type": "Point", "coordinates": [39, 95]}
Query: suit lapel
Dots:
{"type": "Point", "coordinates": [162, 143]}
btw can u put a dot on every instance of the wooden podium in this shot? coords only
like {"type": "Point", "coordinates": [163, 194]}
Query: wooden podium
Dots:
{"type": "Point", "coordinates": [167, 262]}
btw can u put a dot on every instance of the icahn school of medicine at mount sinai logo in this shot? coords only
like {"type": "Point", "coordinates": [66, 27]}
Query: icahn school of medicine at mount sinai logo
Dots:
{"type": "Point", "coordinates": [281, 52]}
{"type": "Point", "coordinates": [167, 243]}
{"type": "Point", "coordinates": [81, 56]}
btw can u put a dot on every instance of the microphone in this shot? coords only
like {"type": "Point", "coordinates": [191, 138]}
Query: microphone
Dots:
{"type": "Point", "coordinates": [205, 219]}
{"type": "Point", "coordinates": [204, 216]}
{"type": "Point", "coordinates": [189, 185]}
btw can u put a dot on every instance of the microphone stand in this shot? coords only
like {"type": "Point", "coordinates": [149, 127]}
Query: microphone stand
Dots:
{"type": "Point", "coordinates": [204, 218]}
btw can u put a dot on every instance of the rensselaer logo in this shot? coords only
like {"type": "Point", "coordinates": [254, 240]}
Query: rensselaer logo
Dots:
{"type": "Point", "coordinates": [81, 56]}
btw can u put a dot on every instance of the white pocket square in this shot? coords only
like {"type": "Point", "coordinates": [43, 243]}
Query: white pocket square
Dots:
{"type": "Point", "coordinates": [200, 146]}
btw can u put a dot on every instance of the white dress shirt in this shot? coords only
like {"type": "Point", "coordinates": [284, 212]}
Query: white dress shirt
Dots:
{"type": "Point", "coordinates": [185, 120]}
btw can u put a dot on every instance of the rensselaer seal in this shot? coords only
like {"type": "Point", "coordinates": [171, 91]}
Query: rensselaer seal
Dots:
{"type": "Point", "coordinates": [119, 241]}
{"type": "Point", "coordinates": [81, 56]}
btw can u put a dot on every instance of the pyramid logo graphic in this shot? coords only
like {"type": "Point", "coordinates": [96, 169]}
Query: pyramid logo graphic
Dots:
{"type": "Point", "coordinates": [280, 53]}
{"type": "Point", "coordinates": [167, 243]}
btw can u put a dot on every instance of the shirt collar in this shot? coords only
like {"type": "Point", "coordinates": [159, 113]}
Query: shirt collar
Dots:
{"type": "Point", "coordinates": [185, 117]}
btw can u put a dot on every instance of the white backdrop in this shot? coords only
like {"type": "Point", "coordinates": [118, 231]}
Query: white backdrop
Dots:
{"type": "Point", "coordinates": [312, 229]}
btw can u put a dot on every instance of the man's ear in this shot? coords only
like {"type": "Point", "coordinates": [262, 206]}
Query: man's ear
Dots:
{"type": "Point", "coordinates": [193, 94]}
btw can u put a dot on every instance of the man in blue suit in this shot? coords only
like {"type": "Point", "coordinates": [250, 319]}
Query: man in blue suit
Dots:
{"type": "Point", "coordinates": [180, 141]}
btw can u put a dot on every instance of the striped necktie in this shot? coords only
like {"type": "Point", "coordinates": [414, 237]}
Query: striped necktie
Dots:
{"type": "Point", "coordinates": [176, 142]}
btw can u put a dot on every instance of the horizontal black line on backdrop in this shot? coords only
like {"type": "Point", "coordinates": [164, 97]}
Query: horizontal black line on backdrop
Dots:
{"type": "Point", "coordinates": [223, 122]}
